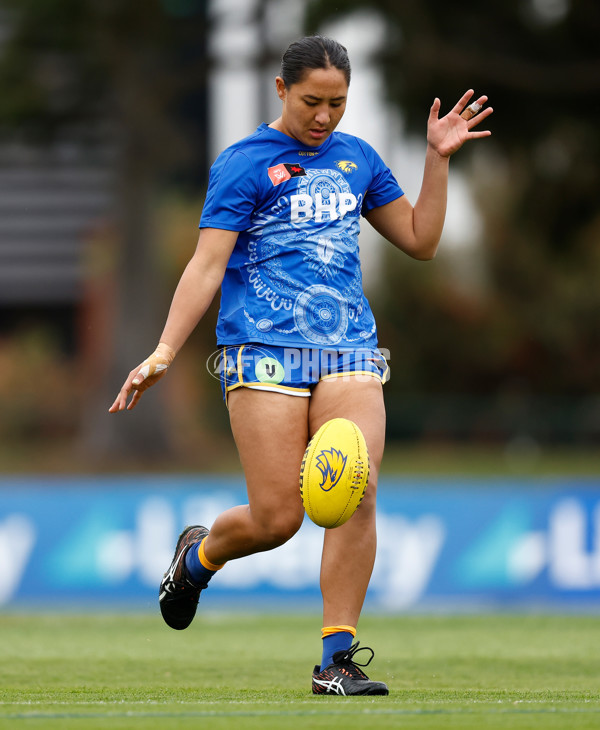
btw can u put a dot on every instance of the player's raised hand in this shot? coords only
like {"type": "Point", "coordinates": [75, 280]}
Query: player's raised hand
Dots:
{"type": "Point", "coordinates": [143, 376]}
{"type": "Point", "coordinates": [447, 134]}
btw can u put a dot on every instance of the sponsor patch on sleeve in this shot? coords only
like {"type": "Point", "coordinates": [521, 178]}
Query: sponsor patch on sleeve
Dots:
{"type": "Point", "coordinates": [284, 171]}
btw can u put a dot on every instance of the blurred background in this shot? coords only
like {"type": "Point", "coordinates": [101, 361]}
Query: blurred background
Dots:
{"type": "Point", "coordinates": [111, 113]}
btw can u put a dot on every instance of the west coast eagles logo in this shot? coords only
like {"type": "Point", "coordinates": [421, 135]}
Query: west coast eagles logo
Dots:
{"type": "Point", "coordinates": [331, 463]}
{"type": "Point", "coordinates": [346, 166]}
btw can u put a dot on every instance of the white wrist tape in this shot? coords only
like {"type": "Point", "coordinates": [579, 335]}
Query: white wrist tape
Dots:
{"type": "Point", "coordinates": [156, 364]}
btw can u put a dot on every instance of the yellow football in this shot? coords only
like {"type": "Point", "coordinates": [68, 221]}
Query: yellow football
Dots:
{"type": "Point", "coordinates": [334, 473]}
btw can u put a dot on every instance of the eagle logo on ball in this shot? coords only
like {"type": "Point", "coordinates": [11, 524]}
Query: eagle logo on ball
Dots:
{"type": "Point", "coordinates": [331, 464]}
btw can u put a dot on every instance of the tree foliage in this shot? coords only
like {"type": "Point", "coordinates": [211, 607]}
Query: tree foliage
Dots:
{"type": "Point", "coordinates": [69, 62]}
{"type": "Point", "coordinates": [69, 68]}
{"type": "Point", "coordinates": [536, 181]}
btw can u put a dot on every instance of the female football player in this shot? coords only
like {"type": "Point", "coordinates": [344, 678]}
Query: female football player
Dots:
{"type": "Point", "coordinates": [279, 235]}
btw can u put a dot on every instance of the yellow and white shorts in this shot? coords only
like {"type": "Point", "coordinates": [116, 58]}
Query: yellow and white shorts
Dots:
{"type": "Point", "coordinates": [294, 371]}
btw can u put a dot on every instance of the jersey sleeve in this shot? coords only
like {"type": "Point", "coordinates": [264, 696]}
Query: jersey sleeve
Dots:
{"type": "Point", "coordinates": [232, 193]}
{"type": "Point", "coordinates": [383, 187]}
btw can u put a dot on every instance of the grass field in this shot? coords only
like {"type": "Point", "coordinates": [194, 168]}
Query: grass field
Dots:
{"type": "Point", "coordinates": [249, 671]}
{"type": "Point", "coordinates": [426, 459]}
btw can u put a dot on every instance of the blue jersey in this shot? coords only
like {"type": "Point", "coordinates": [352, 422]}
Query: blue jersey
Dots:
{"type": "Point", "coordinates": [294, 277]}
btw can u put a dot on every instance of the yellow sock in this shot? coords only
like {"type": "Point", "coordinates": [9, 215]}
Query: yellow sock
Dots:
{"type": "Point", "coordinates": [204, 561]}
{"type": "Point", "coordinates": [328, 630]}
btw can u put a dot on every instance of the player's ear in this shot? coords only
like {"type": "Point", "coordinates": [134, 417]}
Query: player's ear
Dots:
{"type": "Point", "coordinates": [281, 88]}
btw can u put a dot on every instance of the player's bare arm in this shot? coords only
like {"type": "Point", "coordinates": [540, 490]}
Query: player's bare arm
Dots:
{"type": "Point", "coordinates": [417, 230]}
{"type": "Point", "coordinates": [197, 287]}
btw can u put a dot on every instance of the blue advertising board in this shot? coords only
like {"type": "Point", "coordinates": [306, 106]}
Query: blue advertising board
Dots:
{"type": "Point", "coordinates": [442, 544]}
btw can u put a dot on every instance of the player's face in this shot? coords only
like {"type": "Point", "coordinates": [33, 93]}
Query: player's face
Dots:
{"type": "Point", "coordinates": [313, 107]}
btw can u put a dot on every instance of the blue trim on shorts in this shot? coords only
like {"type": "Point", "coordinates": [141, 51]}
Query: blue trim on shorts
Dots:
{"type": "Point", "coordinates": [293, 370]}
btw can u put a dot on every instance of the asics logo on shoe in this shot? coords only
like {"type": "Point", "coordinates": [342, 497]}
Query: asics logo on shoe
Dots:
{"type": "Point", "coordinates": [344, 677]}
{"type": "Point", "coordinates": [334, 685]}
{"type": "Point", "coordinates": [177, 595]}
{"type": "Point", "coordinates": [168, 585]}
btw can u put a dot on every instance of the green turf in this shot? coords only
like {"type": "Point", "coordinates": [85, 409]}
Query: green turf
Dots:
{"type": "Point", "coordinates": [49, 456]}
{"type": "Point", "coordinates": [238, 671]}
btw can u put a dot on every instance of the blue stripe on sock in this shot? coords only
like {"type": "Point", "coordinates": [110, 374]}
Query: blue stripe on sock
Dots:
{"type": "Point", "coordinates": [196, 571]}
{"type": "Point", "coordinates": [340, 641]}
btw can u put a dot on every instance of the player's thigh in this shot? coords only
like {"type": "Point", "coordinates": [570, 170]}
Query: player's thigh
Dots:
{"type": "Point", "coordinates": [360, 399]}
{"type": "Point", "coordinates": [271, 434]}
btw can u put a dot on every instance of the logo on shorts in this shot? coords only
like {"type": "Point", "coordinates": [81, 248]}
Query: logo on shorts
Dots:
{"type": "Point", "coordinates": [284, 171]}
{"type": "Point", "coordinates": [346, 166]}
{"type": "Point", "coordinates": [269, 370]}
{"type": "Point", "coordinates": [331, 463]}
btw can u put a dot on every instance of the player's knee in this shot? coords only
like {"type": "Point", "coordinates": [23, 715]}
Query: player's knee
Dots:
{"type": "Point", "coordinates": [282, 526]}
{"type": "Point", "coordinates": [368, 503]}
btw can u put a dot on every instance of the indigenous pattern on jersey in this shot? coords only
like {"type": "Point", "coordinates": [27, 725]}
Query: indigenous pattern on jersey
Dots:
{"type": "Point", "coordinates": [294, 277]}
